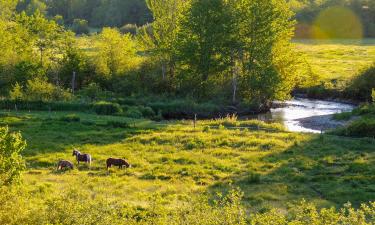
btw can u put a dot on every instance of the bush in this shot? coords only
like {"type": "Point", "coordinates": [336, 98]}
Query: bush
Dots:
{"type": "Point", "coordinates": [364, 127]}
{"type": "Point", "coordinates": [39, 90]}
{"type": "Point", "coordinates": [11, 162]}
{"type": "Point", "coordinates": [70, 118]}
{"type": "Point", "coordinates": [107, 108]}
{"type": "Point", "coordinates": [133, 112]}
{"type": "Point", "coordinates": [147, 112]}
{"type": "Point", "coordinates": [361, 86]}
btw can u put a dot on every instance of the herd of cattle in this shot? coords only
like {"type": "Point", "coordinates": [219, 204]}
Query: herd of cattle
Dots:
{"type": "Point", "coordinates": [65, 164]}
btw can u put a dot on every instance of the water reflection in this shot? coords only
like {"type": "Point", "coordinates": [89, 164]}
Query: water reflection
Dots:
{"type": "Point", "coordinates": [300, 108]}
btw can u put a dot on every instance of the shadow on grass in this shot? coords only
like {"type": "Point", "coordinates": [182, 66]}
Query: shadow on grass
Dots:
{"type": "Point", "coordinates": [327, 170]}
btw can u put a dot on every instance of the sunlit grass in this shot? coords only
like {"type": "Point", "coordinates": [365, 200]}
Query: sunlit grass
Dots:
{"type": "Point", "coordinates": [337, 59]}
{"type": "Point", "coordinates": [272, 167]}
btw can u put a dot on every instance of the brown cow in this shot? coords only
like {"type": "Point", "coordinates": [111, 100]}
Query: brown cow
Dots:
{"type": "Point", "coordinates": [117, 162]}
{"type": "Point", "coordinates": [62, 164]}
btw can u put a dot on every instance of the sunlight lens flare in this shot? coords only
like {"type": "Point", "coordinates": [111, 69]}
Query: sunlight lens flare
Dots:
{"type": "Point", "coordinates": [337, 23]}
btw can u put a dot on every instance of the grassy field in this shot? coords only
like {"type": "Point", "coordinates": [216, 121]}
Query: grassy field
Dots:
{"type": "Point", "coordinates": [337, 59]}
{"type": "Point", "coordinates": [273, 168]}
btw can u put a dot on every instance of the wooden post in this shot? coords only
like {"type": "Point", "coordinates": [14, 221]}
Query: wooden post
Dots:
{"type": "Point", "coordinates": [195, 120]}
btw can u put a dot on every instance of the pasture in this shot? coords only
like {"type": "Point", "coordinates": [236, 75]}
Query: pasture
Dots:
{"type": "Point", "coordinates": [338, 60]}
{"type": "Point", "coordinates": [272, 167]}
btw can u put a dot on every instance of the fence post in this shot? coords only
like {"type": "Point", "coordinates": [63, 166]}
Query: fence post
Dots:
{"type": "Point", "coordinates": [195, 120]}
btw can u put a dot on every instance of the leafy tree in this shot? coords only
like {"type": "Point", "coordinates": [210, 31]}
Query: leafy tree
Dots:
{"type": "Point", "coordinates": [116, 53]}
{"type": "Point", "coordinates": [204, 37]}
{"type": "Point", "coordinates": [265, 31]}
{"type": "Point", "coordinates": [160, 39]}
{"type": "Point", "coordinates": [80, 26]}
{"type": "Point", "coordinates": [11, 162]}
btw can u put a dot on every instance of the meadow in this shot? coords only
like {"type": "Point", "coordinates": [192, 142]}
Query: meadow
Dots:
{"type": "Point", "coordinates": [272, 167]}
{"type": "Point", "coordinates": [337, 60]}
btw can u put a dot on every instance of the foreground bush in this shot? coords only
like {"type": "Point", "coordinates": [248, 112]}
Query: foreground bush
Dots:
{"type": "Point", "coordinates": [20, 206]}
{"type": "Point", "coordinates": [360, 128]}
{"type": "Point", "coordinates": [11, 162]}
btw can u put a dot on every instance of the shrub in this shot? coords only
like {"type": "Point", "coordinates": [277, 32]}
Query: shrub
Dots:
{"type": "Point", "coordinates": [361, 86]}
{"type": "Point", "coordinates": [39, 89]}
{"type": "Point", "coordinates": [70, 118]}
{"type": "Point", "coordinates": [158, 117]}
{"type": "Point", "coordinates": [373, 95]}
{"type": "Point", "coordinates": [107, 108]}
{"type": "Point", "coordinates": [11, 162]}
{"type": "Point", "coordinates": [147, 111]}
{"type": "Point", "coordinates": [133, 112]}
{"type": "Point", "coordinates": [364, 127]}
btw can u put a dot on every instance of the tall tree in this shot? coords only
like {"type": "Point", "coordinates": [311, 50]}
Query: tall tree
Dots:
{"type": "Point", "coordinates": [204, 37]}
{"type": "Point", "coordinates": [265, 31]}
{"type": "Point", "coordinates": [160, 39]}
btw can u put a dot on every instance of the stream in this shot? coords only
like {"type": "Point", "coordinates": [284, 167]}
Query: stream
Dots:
{"type": "Point", "coordinates": [307, 115]}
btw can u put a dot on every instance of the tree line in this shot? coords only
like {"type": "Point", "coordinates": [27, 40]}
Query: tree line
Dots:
{"type": "Point", "coordinates": [231, 51]}
{"type": "Point", "coordinates": [118, 13]}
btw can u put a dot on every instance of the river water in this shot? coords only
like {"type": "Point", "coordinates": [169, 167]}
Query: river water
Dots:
{"type": "Point", "coordinates": [301, 108]}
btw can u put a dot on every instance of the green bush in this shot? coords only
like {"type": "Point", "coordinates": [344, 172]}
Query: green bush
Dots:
{"type": "Point", "coordinates": [147, 112]}
{"type": "Point", "coordinates": [364, 127]}
{"type": "Point", "coordinates": [107, 108]}
{"type": "Point", "coordinates": [133, 112]}
{"type": "Point", "coordinates": [70, 118]}
{"type": "Point", "coordinates": [361, 86]}
{"type": "Point", "coordinates": [11, 162]}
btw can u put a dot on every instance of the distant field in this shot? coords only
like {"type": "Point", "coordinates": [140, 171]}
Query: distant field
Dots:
{"type": "Point", "coordinates": [338, 59]}
{"type": "Point", "coordinates": [272, 168]}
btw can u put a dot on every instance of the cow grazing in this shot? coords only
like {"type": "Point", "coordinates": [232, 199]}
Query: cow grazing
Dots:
{"type": "Point", "coordinates": [82, 157]}
{"type": "Point", "coordinates": [117, 162]}
{"type": "Point", "coordinates": [62, 164]}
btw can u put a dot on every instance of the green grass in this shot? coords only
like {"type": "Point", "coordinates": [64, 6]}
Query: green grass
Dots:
{"type": "Point", "coordinates": [272, 167]}
{"type": "Point", "coordinates": [338, 60]}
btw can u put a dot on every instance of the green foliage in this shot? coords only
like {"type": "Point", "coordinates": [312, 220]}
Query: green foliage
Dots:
{"type": "Point", "coordinates": [80, 26]}
{"type": "Point", "coordinates": [359, 128]}
{"type": "Point", "coordinates": [373, 95]}
{"type": "Point", "coordinates": [16, 93]}
{"type": "Point", "coordinates": [107, 108]}
{"type": "Point", "coordinates": [39, 90]}
{"type": "Point", "coordinates": [362, 85]}
{"type": "Point", "coordinates": [70, 118]}
{"type": "Point", "coordinates": [115, 53]}
{"type": "Point", "coordinates": [133, 112]}
{"type": "Point", "coordinates": [11, 161]}
{"type": "Point", "coordinates": [92, 91]}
